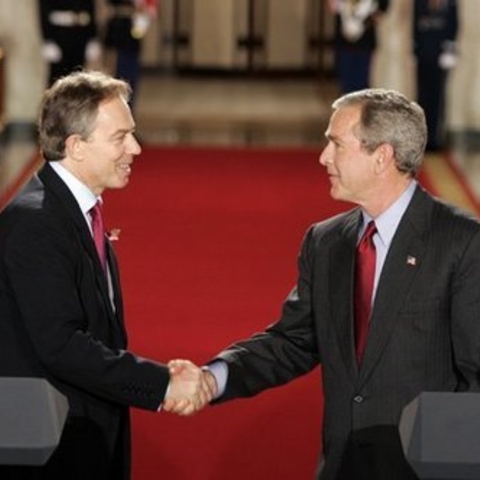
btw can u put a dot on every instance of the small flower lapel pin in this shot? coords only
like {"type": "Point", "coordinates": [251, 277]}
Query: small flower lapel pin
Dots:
{"type": "Point", "coordinates": [114, 234]}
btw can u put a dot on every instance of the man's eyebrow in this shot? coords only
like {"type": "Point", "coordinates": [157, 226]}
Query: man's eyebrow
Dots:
{"type": "Point", "coordinates": [122, 131]}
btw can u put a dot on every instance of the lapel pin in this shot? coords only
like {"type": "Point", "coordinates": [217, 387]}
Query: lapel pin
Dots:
{"type": "Point", "coordinates": [412, 261]}
{"type": "Point", "coordinates": [114, 235]}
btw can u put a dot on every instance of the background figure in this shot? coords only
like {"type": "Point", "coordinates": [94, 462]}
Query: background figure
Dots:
{"type": "Point", "coordinates": [127, 24]}
{"type": "Point", "coordinates": [355, 40]}
{"type": "Point", "coordinates": [69, 31]}
{"type": "Point", "coordinates": [435, 26]}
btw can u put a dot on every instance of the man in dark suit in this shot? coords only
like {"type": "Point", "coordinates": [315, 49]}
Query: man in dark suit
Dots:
{"type": "Point", "coordinates": [61, 313]}
{"type": "Point", "coordinates": [423, 332]}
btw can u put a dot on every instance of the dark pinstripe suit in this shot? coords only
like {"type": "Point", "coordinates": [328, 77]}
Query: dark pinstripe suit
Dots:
{"type": "Point", "coordinates": [424, 334]}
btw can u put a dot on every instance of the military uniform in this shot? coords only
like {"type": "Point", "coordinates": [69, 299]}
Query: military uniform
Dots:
{"type": "Point", "coordinates": [355, 40]}
{"type": "Point", "coordinates": [126, 27]}
{"type": "Point", "coordinates": [435, 26]}
{"type": "Point", "coordinates": [70, 26]}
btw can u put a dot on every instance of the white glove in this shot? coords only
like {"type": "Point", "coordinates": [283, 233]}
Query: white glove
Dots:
{"type": "Point", "coordinates": [365, 8]}
{"type": "Point", "coordinates": [447, 60]}
{"type": "Point", "coordinates": [352, 28]}
{"type": "Point", "coordinates": [141, 23]}
{"type": "Point", "coordinates": [93, 51]}
{"type": "Point", "coordinates": [449, 57]}
{"type": "Point", "coordinates": [51, 52]}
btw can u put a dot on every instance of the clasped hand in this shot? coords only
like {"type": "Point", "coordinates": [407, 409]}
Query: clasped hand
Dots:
{"type": "Point", "coordinates": [191, 388]}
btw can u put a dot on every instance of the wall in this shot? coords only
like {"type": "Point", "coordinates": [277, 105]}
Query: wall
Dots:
{"type": "Point", "coordinates": [25, 72]}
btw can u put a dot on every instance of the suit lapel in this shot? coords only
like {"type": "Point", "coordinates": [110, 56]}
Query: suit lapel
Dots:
{"type": "Point", "coordinates": [342, 258]}
{"type": "Point", "coordinates": [70, 205]}
{"type": "Point", "coordinates": [401, 265]}
{"type": "Point", "coordinates": [72, 209]}
{"type": "Point", "coordinates": [117, 291]}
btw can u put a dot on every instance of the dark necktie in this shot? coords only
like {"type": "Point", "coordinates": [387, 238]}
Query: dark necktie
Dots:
{"type": "Point", "coordinates": [365, 259]}
{"type": "Point", "coordinates": [99, 233]}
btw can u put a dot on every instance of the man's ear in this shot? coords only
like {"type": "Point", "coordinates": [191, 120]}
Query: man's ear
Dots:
{"type": "Point", "coordinates": [74, 147]}
{"type": "Point", "coordinates": [384, 157]}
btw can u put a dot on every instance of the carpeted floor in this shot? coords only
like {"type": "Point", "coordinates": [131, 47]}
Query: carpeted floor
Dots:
{"type": "Point", "coordinates": [208, 252]}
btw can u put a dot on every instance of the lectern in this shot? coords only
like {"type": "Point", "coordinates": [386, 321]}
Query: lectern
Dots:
{"type": "Point", "coordinates": [440, 434]}
{"type": "Point", "coordinates": [32, 416]}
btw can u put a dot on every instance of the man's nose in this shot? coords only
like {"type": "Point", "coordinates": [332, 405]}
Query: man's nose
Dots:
{"type": "Point", "coordinates": [324, 156]}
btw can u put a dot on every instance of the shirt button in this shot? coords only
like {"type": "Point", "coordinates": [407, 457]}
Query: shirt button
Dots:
{"type": "Point", "coordinates": [358, 399]}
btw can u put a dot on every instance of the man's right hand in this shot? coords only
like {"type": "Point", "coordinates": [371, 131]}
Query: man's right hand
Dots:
{"type": "Point", "coordinates": [191, 388]}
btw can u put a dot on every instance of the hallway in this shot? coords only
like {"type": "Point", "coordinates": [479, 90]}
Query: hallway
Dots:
{"type": "Point", "coordinates": [234, 110]}
{"type": "Point", "coordinates": [230, 111]}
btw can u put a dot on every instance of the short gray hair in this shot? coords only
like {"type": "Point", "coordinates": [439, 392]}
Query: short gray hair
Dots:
{"type": "Point", "coordinates": [388, 116]}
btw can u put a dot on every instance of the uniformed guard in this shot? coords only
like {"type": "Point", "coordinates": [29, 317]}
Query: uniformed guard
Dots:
{"type": "Point", "coordinates": [355, 40]}
{"type": "Point", "coordinates": [128, 24]}
{"type": "Point", "coordinates": [435, 26]}
{"type": "Point", "coordinates": [69, 31]}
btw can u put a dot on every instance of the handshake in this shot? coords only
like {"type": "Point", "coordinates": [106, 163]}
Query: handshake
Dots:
{"type": "Point", "coordinates": [191, 388]}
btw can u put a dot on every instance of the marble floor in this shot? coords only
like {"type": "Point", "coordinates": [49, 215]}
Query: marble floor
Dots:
{"type": "Point", "coordinates": [173, 110]}
{"type": "Point", "coordinates": [233, 111]}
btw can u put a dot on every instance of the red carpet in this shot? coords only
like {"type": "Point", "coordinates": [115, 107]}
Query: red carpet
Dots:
{"type": "Point", "coordinates": [208, 252]}
{"type": "Point", "coordinates": [208, 248]}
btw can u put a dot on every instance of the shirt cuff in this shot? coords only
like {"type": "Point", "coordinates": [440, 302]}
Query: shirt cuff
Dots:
{"type": "Point", "coordinates": [219, 369]}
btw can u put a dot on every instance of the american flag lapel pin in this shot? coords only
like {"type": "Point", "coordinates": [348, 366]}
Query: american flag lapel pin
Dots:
{"type": "Point", "coordinates": [411, 260]}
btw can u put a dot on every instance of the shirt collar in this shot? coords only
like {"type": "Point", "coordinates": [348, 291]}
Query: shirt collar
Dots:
{"type": "Point", "coordinates": [83, 195]}
{"type": "Point", "coordinates": [387, 223]}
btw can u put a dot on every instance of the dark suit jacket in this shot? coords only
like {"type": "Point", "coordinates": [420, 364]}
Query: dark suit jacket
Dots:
{"type": "Point", "coordinates": [57, 322]}
{"type": "Point", "coordinates": [62, 35]}
{"type": "Point", "coordinates": [424, 334]}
